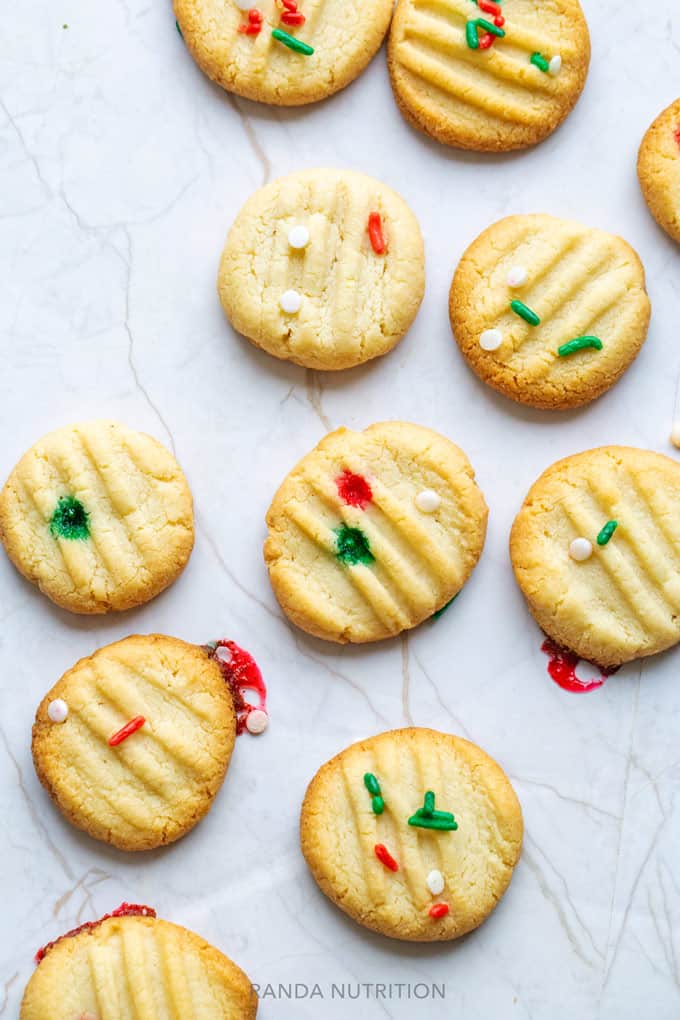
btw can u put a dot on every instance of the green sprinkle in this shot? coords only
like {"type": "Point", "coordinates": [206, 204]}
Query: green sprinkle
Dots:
{"type": "Point", "coordinates": [435, 616]}
{"type": "Point", "coordinates": [378, 805]}
{"type": "Point", "coordinates": [539, 61]}
{"type": "Point", "coordinates": [427, 818]}
{"type": "Point", "coordinates": [524, 312]}
{"type": "Point", "coordinates": [471, 35]}
{"type": "Point", "coordinates": [179, 29]}
{"type": "Point", "coordinates": [607, 532]}
{"type": "Point", "coordinates": [372, 784]}
{"type": "Point", "coordinates": [352, 546]}
{"type": "Point", "coordinates": [488, 26]}
{"type": "Point", "coordinates": [70, 520]}
{"type": "Point", "coordinates": [291, 42]}
{"type": "Point", "coordinates": [579, 344]}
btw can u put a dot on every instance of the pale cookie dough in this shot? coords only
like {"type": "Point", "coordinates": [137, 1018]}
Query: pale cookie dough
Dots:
{"type": "Point", "coordinates": [459, 874]}
{"type": "Point", "coordinates": [351, 554]}
{"type": "Point", "coordinates": [623, 600]}
{"type": "Point", "coordinates": [137, 966]}
{"type": "Point", "coordinates": [344, 35]}
{"type": "Point", "coordinates": [160, 781]}
{"type": "Point", "coordinates": [659, 170]}
{"type": "Point", "coordinates": [584, 285]}
{"type": "Point", "coordinates": [98, 516]}
{"type": "Point", "coordinates": [301, 279]}
{"type": "Point", "coordinates": [491, 99]}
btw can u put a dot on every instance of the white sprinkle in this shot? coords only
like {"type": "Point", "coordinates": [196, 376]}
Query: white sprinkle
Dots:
{"type": "Point", "coordinates": [58, 710]}
{"type": "Point", "coordinates": [290, 301]}
{"type": "Point", "coordinates": [245, 5]}
{"type": "Point", "coordinates": [580, 549]}
{"type": "Point", "coordinates": [517, 276]}
{"type": "Point", "coordinates": [435, 882]}
{"type": "Point", "coordinates": [586, 672]}
{"type": "Point", "coordinates": [428, 501]}
{"type": "Point", "coordinates": [491, 339]}
{"type": "Point", "coordinates": [223, 653]}
{"type": "Point", "coordinates": [555, 65]}
{"type": "Point", "coordinates": [675, 434]}
{"type": "Point", "coordinates": [298, 237]}
{"type": "Point", "coordinates": [257, 721]}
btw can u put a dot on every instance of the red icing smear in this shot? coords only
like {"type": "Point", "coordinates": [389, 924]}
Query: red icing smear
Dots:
{"type": "Point", "coordinates": [676, 133]}
{"type": "Point", "coordinates": [124, 910]}
{"type": "Point", "coordinates": [242, 674]}
{"type": "Point", "coordinates": [354, 489]}
{"type": "Point", "coordinates": [562, 668]}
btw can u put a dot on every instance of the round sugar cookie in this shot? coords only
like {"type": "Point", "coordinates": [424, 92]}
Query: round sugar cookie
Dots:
{"type": "Point", "coordinates": [492, 78]}
{"type": "Point", "coordinates": [596, 552]}
{"type": "Point", "coordinates": [659, 169]}
{"type": "Point", "coordinates": [429, 855]}
{"type": "Point", "coordinates": [547, 311]}
{"type": "Point", "coordinates": [149, 788]}
{"type": "Point", "coordinates": [290, 57]}
{"type": "Point", "coordinates": [325, 268]}
{"type": "Point", "coordinates": [98, 516]}
{"type": "Point", "coordinates": [374, 531]}
{"type": "Point", "coordinates": [132, 964]}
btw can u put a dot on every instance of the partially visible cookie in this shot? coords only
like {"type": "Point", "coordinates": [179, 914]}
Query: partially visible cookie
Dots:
{"type": "Point", "coordinates": [659, 169]}
{"type": "Point", "coordinates": [478, 75]}
{"type": "Point", "coordinates": [596, 552]}
{"type": "Point", "coordinates": [374, 531]}
{"type": "Point", "coordinates": [547, 311]}
{"type": "Point", "coordinates": [98, 516]}
{"type": "Point", "coordinates": [133, 742]}
{"type": "Point", "coordinates": [413, 833]}
{"type": "Point", "coordinates": [325, 268]}
{"type": "Point", "coordinates": [282, 52]}
{"type": "Point", "coordinates": [132, 964]}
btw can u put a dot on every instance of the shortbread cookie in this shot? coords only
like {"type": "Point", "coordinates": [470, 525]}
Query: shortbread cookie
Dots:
{"type": "Point", "coordinates": [133, 742]}
{"type": "Point", "coordinates": [482, 76]}
{"type": "Point", "coordinates": [281, 51]}
{"type": "Point", "coordinates": [131, 964]}
{"type": "Point", "coordinates": [659, 170]}
{"type": "Point", "coordinates": [98, 516]}
{"type": "Point", "coordinates": [547, 311]}
{"type": "Point", "coordinates": [413, 833]}
{"type": "Point", "coordinates": [374, 531]}
{"type": "Point", "coordinates": [596, 552]}
{"type": "Point", "coordinates": [324, 268]}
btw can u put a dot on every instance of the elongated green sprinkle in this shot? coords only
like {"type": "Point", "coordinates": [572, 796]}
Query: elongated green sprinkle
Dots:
{"type": "Point", "coordinates": [435, 616]}
{"type": "Point", "coordinates": [471, 36]}
{"type": "Point", "coordinates": [578, 344]}
{"type": "Point", "coordinates": [291, 42]}
{"type": "Point", "coordinates": [539, 61]}
{"type": "Point", "coordinates": [179, 29]}
{"type": "Point", "coordinates": [378, 805]}
{"type": "Point", "coordinates": [352, 546]}
{"type": "Point", "coordinates": [607, 532]}
{"type": "Point", "coordinates": [427, 818]}
{"type": "Point", "coordinates": [70, 520]}
{"type": "Point", "coordinates": [371, 784]}
{"type": "Point", "coordinates": [428, 806]}
{"type": "Point", "coordinates": [524, 312]}
{"type": "Point", "coordinates": [489, 26]}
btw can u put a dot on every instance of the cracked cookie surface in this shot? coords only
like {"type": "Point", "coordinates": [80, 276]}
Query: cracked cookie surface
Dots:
{"type": "Point", "coordinates": [466, 870]}
{"type": "Point", "coordinates": [374, 531]}
{"type": "Point", "coordinates": [621, 599]}
{"type": "Point", "coordinates": [99, 516]}
{"type": "Point", "coordinates": [354, 303]}
{"type": "Point", "coordinates": [153, 787]}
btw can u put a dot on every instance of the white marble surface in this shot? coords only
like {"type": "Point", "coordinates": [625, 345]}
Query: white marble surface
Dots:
{"type": "Point", "coordinates": [122, 167]}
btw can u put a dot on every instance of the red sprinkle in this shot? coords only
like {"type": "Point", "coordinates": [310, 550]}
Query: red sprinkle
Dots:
{"type": "Point", "coordinates": [354, 489]}
{"type": "Point", "coordinates": [290, 5]}
{"type": "Point", "coordinates": [439, 910]}
{"type": "Point", "coordinates": [677, 133]}
{"type": "Point", "coordinates": [124, 910]}
{"type": "Point", "coordinates": [385, 857]}
{"type": "Point", "coordinates": [242, 674]}
{"type": "Point", "coordinates": [254, 24]}
{"type": "Point", "coordinates": [499, 21]}
{"type": "Point", "coordinates": [490, 7]}
{"type": "Point", "coordinates": [562, 668]}
{"type": "Point", "coordinates": [127, 730]}
{"type": "Point", "coordinates": [293, 18]}
{"type": "Point", "coordinates": [375, 232]}
{"type": "Point", "coordinates": [486, 40]}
